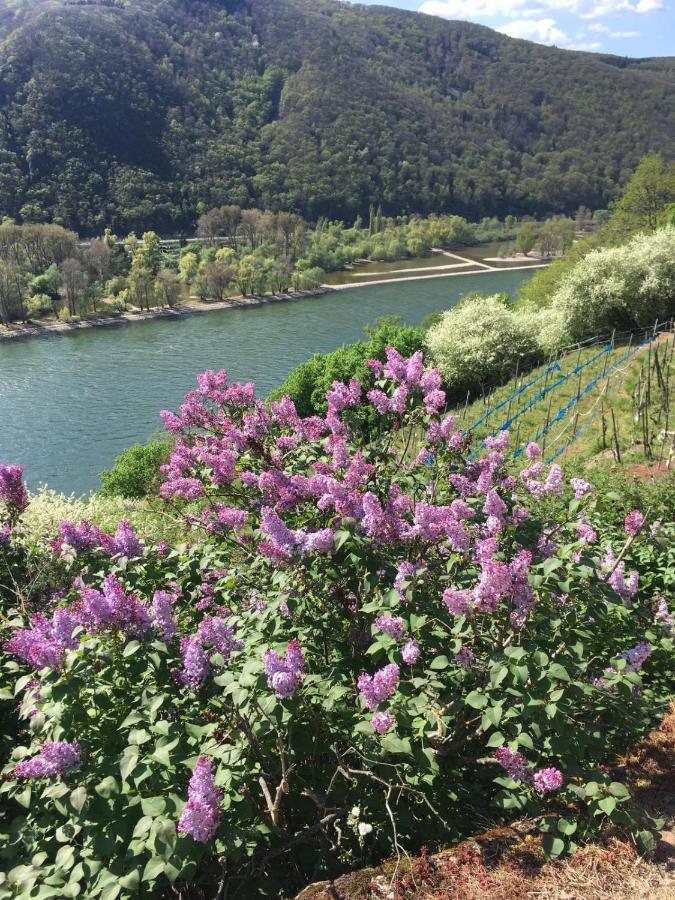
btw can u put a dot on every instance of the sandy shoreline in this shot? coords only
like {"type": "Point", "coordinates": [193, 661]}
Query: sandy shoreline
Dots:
{"type": "Point", "coordinates": [175, 312]}
{"type": "Point", "coordinates": [482, 271]}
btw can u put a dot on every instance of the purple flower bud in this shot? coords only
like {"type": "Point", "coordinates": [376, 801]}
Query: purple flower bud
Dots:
{"type": "Point", "coordinates": [200, 817]}
{"type": "Point", "coordinates": [54, 759]}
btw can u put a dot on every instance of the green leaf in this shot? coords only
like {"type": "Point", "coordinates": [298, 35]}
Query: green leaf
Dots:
{"type": "Point", "coordinates": [153, 806]}
{"type": "Point", "coordinates": [78, 798]}
{"type": "Point", "coordinates": [131, 648]}
{"type": "Point", "coordinates": [607, 805]}
{"type": "Point", "coordinates": [476, 700]}
{"type": "Point", "coordinates": [107, 787]}
{"type": "Point", "coordinates": [558, 672]}
{"type": "Point", "coordinates": [153, 868]}
{"type": "Point", "coordinates": [553, 846]}
{"type": "Point", "coordinates": [566, 826]}
{"type": "Point", "coordinates": [393, 744]}
{"type": "Point", "coordinates": [131, 881]}
{"type": "Point", "coordinates": [440, 662]}
{"type": "Point", "coordinates": [619, 790]}
{"type": "Point", "coordinates": [496, 739]}
{"type": "Point", "coordinates": [128, 762]}
{"type": "Point", "coordinates": [497, 674]}
{"type": "Point", "coordinates": [647, 841]}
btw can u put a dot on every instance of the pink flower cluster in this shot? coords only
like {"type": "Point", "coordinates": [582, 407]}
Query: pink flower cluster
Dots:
{"type": "Point", "coordinates": [200, 816]}
{"type": "Point", "coordinates": [13, 493]}
{"type": "Point", "coordinates": [634, 523]}
{"type": "Point", "coordinates": [214, 636]}
{"type": "Point", "coordinates": [57, 758]}
{"type": "Point", "coordinates": [87, 537]}
{"type": "Point", "coordinates": [545, 781]}
{"type": "Point", "coordinates": [626, 586]}
{"type": "Point", "coordinates": [285, 674]}
{"type": "Point", "coordinates": [393, 626]}
{"type": "Point", "coordinates": [374, 689]}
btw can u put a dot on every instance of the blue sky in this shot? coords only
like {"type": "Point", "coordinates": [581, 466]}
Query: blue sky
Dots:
{"type": "Point", "coordinates": [623, 27]}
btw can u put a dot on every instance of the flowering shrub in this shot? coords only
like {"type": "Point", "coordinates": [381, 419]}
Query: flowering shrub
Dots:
{"type": "Point", "coordinates": [480, 343]}
{"type": "Point", "coordinates": [354, 622]}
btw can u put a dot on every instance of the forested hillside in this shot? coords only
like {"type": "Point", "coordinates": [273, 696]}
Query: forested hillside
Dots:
{"type": "Point", "coordinates": [144, 113]}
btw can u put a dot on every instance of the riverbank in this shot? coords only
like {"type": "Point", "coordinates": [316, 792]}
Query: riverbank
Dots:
{"type": "Point", "coordinates": [482, 271]}
{"type": "Point", "coordinates": [179, 311]}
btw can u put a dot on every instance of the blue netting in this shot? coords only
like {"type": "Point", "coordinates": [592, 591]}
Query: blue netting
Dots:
{"type": "Point", "coordinates": [554, 385]}
{"type": "Point", "coordinates": [562, 412]}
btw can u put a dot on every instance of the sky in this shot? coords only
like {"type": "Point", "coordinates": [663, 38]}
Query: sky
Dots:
{"type": "Point", "coordinates": [623, 27]}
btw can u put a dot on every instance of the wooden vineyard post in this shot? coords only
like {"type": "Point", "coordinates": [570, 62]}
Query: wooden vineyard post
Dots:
{"type": "Point", "coordinates": [617, 452]}
{"type": "Point", "coordinates": [548, 419]}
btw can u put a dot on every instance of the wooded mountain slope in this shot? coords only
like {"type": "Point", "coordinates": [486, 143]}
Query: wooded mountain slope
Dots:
{"type": "Point", "coordinates": [142, 113]}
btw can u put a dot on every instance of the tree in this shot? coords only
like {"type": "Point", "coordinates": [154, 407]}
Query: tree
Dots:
{"type": "Point", "coordinates": [74, 283]}
{"type": "Point", "coordinates": [250, 225]}
{"type": "Point", "coordinates": [98, 259]}
{"type": "Point", "coordinates": [12, 292]}
{"type": "Point", "coordinates": [526, 237]}
{"type": "Point", "coordinates": [188, 266]}
{"type": "Point", "coordinates": [292, 228]}
{"type": "Point", "coordinates": [218, 275]}
{"type": "Point", "coordinates": [167, 288]}
{"type": "Point", "coordinates": [641, 207]}
{"type": "Point", "coordinates": [48, 284]}
{"type": "Point", "coordinates": [141, 285]}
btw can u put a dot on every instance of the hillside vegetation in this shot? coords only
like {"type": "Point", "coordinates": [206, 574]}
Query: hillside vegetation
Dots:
{"type": "Point", "coordinates": [145, 113]}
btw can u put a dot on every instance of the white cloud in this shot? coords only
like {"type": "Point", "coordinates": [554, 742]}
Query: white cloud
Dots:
{"type": "Point", "coordinates": [528, 9]}
{"type": "Point", "coordinates": [598, 28]}
{"type": "Point", "coordinates": [545, 31]}
{"type": "Point", "coordinates": [624, 34]}
{"type": "Point", "coordinates": [584, 45]}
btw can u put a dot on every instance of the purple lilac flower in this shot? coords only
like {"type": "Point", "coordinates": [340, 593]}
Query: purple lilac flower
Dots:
{"type": "Point", "coordinates": [215, 631]}
{"type": "Point", "coordinates": [393, 626]}
{"type": "Point", "coordinates": [586, 534]}
{"type": "Point", "coordinates": [113, 608]}
{"type": "Point", "coordinates": [285, 674]}
{"type": "Point", "coordinates": [126, 542]}
{"type": "Point", "coordinates": [44, 644]}
{"type": "Point", "coordinates": [161, 609]}
{"type": "Point", "coordinates": [56, 758]}
{"type": "Point", "coordinates": [580, 487]}
{"type": "Point", "coordinates": [655, 529]}
{"type": "Point", "coordinates": [465, 657]}
{"type": "Point", "coordinates": [410, 652]}
{"type": "Point", "coordinates": [514, 763]}
{"type": "Point", "coordinates": [663, 615]}
{"type": "Point", "coordinates": [380, 686]}
{"type": "Point", "coordinates": [13, 491]}
{"type": "Point", "coordinates": [196, 666]}
{"type": "Point", "coordinates": [548, 780]}
{"type": "Point", "coordinates": [200, 817]}
{"type": "Point", "coordinates": [459, 603]}
{"type": "Point", "coordinates": [634, 523]}
{"type": "Point", "coordinates": [532, 451]}
{"type": "Point", "coordinates": [637, 656]}
{"type": "Point", "coordinates": [382, 721]}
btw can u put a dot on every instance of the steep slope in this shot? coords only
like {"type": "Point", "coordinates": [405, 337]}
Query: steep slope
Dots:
{"type": "Point", "coordinates": [144, 112]}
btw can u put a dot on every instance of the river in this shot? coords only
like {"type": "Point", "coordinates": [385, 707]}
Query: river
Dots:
{"type": "Point", "coordinates": [70, 403]}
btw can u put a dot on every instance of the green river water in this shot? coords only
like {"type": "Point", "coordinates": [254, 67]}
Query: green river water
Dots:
{"type": "Point", "coordinates": [70, 403]}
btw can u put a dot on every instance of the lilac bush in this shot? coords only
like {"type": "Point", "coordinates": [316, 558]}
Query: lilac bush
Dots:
{"type": "Point", "coordinates": [357, 616]}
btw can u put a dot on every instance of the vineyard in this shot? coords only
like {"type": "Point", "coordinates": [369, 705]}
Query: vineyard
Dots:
{"type": "Point", "coordinates": [612, 393]}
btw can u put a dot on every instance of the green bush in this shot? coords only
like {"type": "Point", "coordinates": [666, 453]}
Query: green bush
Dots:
{"type": "Point", "coordinates": [135, 472]}
{"type": "Point", "coordinates": [479, 344]}
{"type": "Point", "coordinates": [307, 384]}
{"type": "Point", "coordinates": [38, 305]}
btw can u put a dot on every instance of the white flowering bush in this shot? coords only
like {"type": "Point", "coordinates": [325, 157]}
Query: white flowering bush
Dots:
{"type": "Point", "coordinates": [357, 646]}
{"type": "Point", "coordinates": [627, 287]}
{"type": "Point", "coordinates": [480, 343]}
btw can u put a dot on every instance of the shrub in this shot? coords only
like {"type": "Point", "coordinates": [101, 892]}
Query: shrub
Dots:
{"type": "Point", "coordinates": [135, 472]}
{"type": "Point", "coordinates": [354, 634]}
{"type": "Point", "coordinates": [307, 384]}
{"type": "Point", "coordinates": [626, 287]}
{"type": "Point", "coordinates": [38, 305]}
{"type": "Point", "coordinates": [478, 344]}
